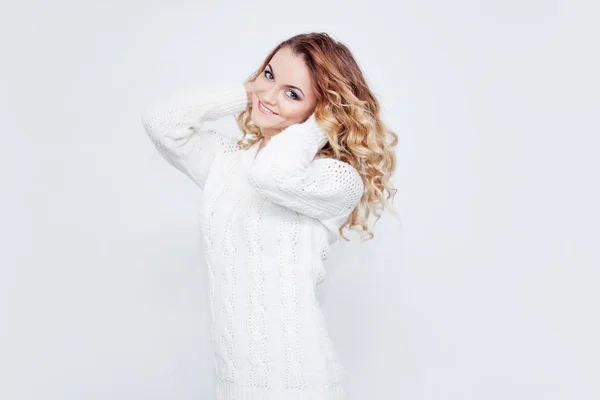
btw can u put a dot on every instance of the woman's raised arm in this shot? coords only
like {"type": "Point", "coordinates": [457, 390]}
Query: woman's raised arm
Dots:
{"type": "Point", "coordinates": [175, 126]}
{"type": "Point", "coordinates": [286, 172]}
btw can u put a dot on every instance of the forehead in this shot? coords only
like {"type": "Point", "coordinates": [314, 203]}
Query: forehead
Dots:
{"type": "Point", "coordinates": [290, 69]}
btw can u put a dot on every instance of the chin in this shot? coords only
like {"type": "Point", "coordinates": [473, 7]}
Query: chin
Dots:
{"type": "Point", "coordinates": [261, 120]}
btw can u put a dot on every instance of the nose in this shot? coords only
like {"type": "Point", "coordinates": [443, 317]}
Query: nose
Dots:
{"type": "Point", "coordinates": [270, 97]}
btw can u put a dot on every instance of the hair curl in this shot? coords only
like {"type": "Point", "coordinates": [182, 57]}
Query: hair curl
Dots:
{"type": "Point", "coordinates": [349, 111]}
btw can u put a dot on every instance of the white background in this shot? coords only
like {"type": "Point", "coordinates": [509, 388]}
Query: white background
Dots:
{"type": "Point", "coordinates": [485, 288]}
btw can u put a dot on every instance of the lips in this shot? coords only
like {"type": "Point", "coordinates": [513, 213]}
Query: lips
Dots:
{"type": "Point", "coordinates": [264, 109]}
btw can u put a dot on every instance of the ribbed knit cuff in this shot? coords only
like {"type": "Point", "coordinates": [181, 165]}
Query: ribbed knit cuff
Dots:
{"type": "Point", "coordinates": [315, 131]}
{"type": "Point", "coordinates": [308, 135]}
{"type": "Point", "coordinates": [229, 99]}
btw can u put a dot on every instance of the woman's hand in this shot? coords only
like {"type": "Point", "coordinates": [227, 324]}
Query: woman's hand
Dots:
{"type": "Point", "coordinates": [248, 86]}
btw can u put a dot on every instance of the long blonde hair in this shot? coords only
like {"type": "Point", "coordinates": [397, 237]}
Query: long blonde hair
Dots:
{"type": "Point", "coordinates": [349, 112]}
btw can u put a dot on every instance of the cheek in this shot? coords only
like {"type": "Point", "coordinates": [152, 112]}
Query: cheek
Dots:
{"type": "Point", "coordinates": [294, 113]}
{"type": "Point", "coordinates": [258, 86]}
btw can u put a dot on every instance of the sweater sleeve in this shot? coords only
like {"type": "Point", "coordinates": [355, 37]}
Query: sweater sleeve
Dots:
{"type": "Point", "coordinates": [175, 126]}
{"type": "Point", "coordinates": [286, 172]}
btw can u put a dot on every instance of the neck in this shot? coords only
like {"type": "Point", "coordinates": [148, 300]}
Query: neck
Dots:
{"type": "Point", "coordinates": [269, 133]}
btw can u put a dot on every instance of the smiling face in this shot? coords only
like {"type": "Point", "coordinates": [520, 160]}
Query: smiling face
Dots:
{"type": "Point", "coordinates": [285, 89]}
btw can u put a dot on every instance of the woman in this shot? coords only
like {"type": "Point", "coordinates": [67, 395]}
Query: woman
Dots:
{"type": "Point", "coordinates": [275, 203]}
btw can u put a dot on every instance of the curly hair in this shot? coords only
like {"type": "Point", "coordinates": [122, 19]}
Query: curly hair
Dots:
{"type": "Point", "coordinates": [349, 112]}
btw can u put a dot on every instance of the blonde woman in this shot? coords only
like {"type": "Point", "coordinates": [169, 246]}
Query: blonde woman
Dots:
{"type": "Point", "coordinates": [314, 158]}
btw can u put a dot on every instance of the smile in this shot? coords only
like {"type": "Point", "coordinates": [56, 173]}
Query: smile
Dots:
{"type": "Point", "coordinates": [264, 109]}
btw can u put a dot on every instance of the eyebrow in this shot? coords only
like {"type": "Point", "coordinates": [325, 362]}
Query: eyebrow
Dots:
{"type": "Point", "coordinates": [290, 86]}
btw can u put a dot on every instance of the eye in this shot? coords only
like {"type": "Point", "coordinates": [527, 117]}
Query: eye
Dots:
{"type": "Point", "coordinates": [295, 96]}
{"type": "Point", "coordinates": [267, 74]}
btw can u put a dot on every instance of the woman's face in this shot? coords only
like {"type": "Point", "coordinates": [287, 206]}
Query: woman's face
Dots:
{"type": "Point", "coordinates": [284, 88]}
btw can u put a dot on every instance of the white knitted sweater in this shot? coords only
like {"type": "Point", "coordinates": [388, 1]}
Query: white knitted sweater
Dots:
{"type": "Point", "coordinates": [268, 220]}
